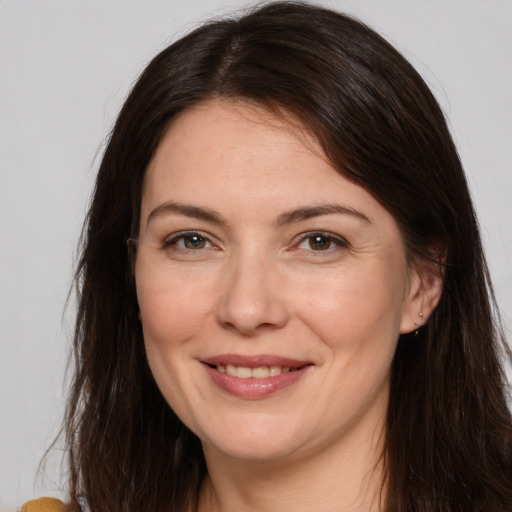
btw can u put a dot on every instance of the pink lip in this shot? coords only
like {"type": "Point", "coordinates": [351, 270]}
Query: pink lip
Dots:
{"type": "Point", "coordinates": [252, 388]}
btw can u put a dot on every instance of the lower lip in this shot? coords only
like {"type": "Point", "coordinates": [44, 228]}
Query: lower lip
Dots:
{"type": "Point", "coordinates": [255, 388]}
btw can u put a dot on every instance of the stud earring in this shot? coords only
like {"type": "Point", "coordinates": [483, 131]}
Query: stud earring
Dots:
{"type": "Point", "coordinates": [417, 331]}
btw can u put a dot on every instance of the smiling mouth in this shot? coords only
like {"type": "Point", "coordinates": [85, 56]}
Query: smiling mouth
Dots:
{"type": "Point", "coordinates": [255, 377]}
{"type": "Point", "coordinates": [259, 372]}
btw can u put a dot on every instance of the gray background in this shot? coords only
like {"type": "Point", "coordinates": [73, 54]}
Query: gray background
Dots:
{"type": "Point", "coordinates": [65, 67]}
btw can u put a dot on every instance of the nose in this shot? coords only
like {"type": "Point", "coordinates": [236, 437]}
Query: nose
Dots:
{"type": "Point", "coordinates": [252, 298]}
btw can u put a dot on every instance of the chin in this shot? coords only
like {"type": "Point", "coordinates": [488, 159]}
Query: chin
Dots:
{"type": "Point", "coordinates": [259, 439]}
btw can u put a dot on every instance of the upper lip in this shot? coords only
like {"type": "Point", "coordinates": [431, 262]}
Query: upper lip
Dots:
{"type": "Point", "coordinates": [254, 361]}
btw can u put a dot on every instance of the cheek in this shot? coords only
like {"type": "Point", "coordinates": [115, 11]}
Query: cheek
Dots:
{"type": "Point", "coordinates": [358, 322]}
{"type": "Point", "coordinates": [173, 314]}
{"type": "Point", "coordinates": [357, 306]}
{"type": "Point", "coordinates": [172, 308]}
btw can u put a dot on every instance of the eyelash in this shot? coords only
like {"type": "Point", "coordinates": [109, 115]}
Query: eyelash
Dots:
{"type": "Point", "coordinates": [331, 239]}
{"type": "Point", "coordinates": [187, 235]}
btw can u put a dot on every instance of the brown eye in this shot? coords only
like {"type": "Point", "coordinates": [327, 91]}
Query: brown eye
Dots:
{"type": "Point", "coordinates": [319, 242]}
{"type": "Point", "coordinates": [194, 242]}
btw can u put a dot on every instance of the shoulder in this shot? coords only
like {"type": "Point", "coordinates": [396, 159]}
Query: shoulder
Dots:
{"type": "Point", "coordinates": [43, 505]}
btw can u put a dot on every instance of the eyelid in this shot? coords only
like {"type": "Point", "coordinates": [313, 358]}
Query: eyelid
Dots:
{"type": "Point", "coordinates": [180, 235]}
{"type": "Point", "coordinates": [339, 241]}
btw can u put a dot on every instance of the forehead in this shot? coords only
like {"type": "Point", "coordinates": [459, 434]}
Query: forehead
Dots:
{"type": "Point", "coordinates": [218, 127]}
{"type": "Point", "coordinates": [224, 140]}
{"type": "Point", "coordinates": [245, 159]}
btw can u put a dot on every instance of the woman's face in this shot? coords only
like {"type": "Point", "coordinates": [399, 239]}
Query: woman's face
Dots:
{"type": "Point", "coordinates": [272, 290]}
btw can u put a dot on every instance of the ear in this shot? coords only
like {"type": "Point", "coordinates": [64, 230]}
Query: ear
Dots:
{"type": "Point", "coordinates": [425, 289]}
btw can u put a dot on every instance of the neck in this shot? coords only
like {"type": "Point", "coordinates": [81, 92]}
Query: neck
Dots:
{"type": "Point", "coordinates": [346, 477]}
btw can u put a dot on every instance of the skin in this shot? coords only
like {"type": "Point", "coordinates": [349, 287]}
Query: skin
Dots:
{"type": "Point", "coordinates": [253, 284]}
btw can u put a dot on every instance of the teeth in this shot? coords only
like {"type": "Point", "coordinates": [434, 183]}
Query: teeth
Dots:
{"type": "Point", "coordinates": [274, 370]}
{"type": "Point", "coordinates": [260, 373]}
{"type": "Point", "coordinates": [244, 372]}
{"type": "Point", "coordinates": [231, 370]}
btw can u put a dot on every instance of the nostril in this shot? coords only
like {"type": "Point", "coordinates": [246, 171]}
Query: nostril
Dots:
{"type": "Point", "coordinates": [250, 301]}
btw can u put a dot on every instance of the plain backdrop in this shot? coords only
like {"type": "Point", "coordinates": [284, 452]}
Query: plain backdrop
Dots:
{"type": "Point", "coordinates": [65, 68]}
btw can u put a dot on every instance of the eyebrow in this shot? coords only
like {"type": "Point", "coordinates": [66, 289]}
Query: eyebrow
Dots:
{"type": "Point", "coordinates": [187, 210]}
{"type": "Point", "coordinates": [310, 212]}
{"type": "Point", "coordinates": [286, 218]}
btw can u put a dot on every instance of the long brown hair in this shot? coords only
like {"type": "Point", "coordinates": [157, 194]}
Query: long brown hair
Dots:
{"type": "Point", "coordinates": [449, 431]}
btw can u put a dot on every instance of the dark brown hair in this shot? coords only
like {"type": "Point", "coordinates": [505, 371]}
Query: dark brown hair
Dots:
{"type": "Point", "coordinates": [449, 431]}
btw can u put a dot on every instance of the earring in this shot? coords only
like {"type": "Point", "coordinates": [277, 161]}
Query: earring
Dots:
{"type": "Point", "coordinates": [417, 331]}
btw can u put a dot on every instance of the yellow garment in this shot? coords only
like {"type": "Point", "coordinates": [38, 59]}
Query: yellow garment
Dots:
{"type": "Point", "coordinates": [43, 505]}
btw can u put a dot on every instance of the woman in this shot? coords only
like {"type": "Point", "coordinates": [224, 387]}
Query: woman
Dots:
{"type": "Point", "coordinates": [283, 296]}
